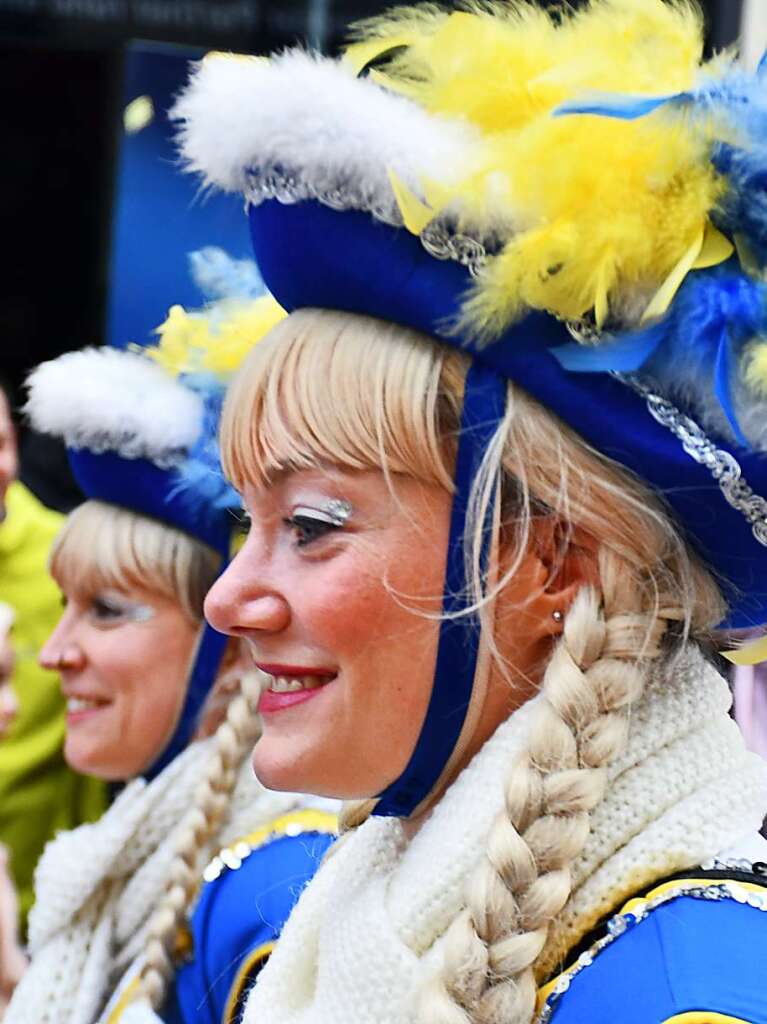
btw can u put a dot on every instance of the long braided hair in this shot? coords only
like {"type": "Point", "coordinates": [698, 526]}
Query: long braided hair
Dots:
{"type": "Point", "coordinates": [232, 742]}
{"type": "Point", "coordinates": [649, 589]}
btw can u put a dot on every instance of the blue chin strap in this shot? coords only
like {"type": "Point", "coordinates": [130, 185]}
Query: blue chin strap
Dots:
{"type": "Point", "coordinates": [483, 408]}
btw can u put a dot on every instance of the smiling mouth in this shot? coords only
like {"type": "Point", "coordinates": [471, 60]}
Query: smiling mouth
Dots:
{"type": "Point", "coordinates": [76, 705]}
{"type": "Point", "coordinates": [294, 684]}
{"type": "Point", "coordinates": [289, 686]}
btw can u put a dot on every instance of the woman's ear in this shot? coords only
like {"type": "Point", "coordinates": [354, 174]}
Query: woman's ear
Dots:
{"type": "Point", "coordinates": [569, 557]}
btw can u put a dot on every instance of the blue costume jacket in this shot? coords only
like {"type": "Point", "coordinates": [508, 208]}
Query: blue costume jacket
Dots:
{"type": "Point", "coordinates": [249, 891]}
{"type": "Point", "coordinates": [692, 951]}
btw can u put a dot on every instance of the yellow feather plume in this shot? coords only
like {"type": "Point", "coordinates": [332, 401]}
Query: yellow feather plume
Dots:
{"type": "Point", "coordinates": [755, 367]}
{"type": "Point", "coordinates": [215, 341]}
{"type": "Point", "coordinates": [603, 211]}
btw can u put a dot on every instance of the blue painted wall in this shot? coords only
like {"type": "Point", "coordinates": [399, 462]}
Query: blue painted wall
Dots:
{"type": "Point", "coordinates": [159, 214]}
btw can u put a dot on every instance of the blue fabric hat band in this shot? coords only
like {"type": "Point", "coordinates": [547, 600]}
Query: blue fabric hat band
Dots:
{"type": "Point", "coordinates": [483, 407]}
{"type": "Point", "coordinates": [141, 486]}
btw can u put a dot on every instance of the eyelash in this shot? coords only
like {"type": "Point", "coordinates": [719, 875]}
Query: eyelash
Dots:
{"type": "Point", "coordinates": [298, 523]}
{"type": "Point", "coordinates": [105, 611]}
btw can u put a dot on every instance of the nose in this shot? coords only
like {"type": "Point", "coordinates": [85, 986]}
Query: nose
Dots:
{"type": "Point", "coordinates": [61, 649]}
{"type": "Point", "coordinates": [239, 605]}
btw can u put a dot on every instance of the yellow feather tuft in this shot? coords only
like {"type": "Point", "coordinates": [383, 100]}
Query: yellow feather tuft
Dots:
{"type": "Point", "coordinates": [602, 210]}
{"type": "Point", "coordinates": [215, 341]}
{"type": "Point", "coordinates": [755, 367]}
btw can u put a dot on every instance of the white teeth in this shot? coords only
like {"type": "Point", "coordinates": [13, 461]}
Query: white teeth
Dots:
{"type": "Point", "coordinates": [281, 684]}
{"type": "Point", "coordinates": [78, 704]}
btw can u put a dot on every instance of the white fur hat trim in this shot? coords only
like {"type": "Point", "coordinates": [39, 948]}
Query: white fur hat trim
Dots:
{"type": "Point", "coordinates": [110, 400]}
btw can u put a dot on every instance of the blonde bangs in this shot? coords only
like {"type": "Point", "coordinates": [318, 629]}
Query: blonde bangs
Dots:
{"type": "Point", "coordinates": [104, 547]}
{"type": "Point", "coordinates": [334, 388]}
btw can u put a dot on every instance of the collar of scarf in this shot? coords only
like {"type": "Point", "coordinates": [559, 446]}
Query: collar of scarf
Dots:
{"type": "Point", "coordinates": [97, 885]}
{"type": "Point", "coordinates": [365, 934]}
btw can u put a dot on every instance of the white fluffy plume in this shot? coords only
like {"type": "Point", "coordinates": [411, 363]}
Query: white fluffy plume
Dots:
{"type": "Point", "coordinates": [109, 400]}
{"type": "Point", "coordinates": [312, 118]}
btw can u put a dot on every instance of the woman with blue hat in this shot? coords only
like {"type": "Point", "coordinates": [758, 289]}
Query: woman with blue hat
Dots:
{"type": "Point", "coordinates": [167, 907]}
{"type": "Point", "coordinates": [505, 467]}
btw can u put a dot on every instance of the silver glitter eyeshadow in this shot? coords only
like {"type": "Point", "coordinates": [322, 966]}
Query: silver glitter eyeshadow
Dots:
{"type": "Point", "coordinates": [338, 511]}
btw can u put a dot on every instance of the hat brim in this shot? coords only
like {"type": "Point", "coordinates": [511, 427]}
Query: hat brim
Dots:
{"type": "Point", "coordinates": [143, 487]}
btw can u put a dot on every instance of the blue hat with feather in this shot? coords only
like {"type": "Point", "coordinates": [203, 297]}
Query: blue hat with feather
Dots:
{"type": "Point", "coordinates": [140, 426]}
{"type": "Point", "coordinates": [572, 197]}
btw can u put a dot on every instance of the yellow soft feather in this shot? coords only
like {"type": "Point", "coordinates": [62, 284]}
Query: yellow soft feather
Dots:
{"type": "Point", "coordinates": [215, 341]}
{"type": "Point", "coordinates": [755, 367]}
{"type": "Point", "coordinates": [601, 210]}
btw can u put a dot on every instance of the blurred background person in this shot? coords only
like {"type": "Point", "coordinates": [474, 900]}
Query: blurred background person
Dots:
{"type": "Point", "coordinates": [158, 700]}
{"type": "Point", "coordinates": [39, 793]}
{"type": "Point", "coordinates": [12, 959]}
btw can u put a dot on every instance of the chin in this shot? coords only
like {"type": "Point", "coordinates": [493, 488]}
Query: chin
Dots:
{"type": "Point", "coordinates": [277, 773]}
{"type": "Point", "coordinates": [296, 772]}
{"type": "Point", "coordinates": [97, 763]}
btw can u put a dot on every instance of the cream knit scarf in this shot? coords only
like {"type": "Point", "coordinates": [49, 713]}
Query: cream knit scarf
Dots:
{"type": "Point", "coordinates": [366, 931]}
{"type": "Point", "coordinates": [97, 885]}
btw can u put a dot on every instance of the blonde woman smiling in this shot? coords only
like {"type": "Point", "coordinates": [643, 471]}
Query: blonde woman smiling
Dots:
{"type": "Point", "coordinates": [504, 464]}
{"type": "Point", "coordinates": [123, 925]}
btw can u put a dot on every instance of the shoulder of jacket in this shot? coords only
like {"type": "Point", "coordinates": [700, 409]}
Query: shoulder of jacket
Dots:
{"type": "Point", "coordinates": [292, 824]}
{"type": "Point", "coordinates": [688, 946]}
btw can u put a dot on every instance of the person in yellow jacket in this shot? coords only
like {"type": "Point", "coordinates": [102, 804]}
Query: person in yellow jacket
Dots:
{"type": "Point", "coordinates": [39, 794]}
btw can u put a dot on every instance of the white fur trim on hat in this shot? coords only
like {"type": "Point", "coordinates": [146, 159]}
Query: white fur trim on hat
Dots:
{"type": "Point", "coordinates": [240, 116]}
{"type": "Point", "coordinates": [110, 400]}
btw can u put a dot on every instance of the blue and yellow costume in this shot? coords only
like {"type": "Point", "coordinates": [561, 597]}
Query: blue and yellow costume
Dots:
{"type": "Point", "coordinates": [689, 951]}
{"type": "Point", "coordinates": [576, 200]}
{"type": "Point", "coordinates": [249, 890]}
{"type": "Point", "coordinates": [173, 475]}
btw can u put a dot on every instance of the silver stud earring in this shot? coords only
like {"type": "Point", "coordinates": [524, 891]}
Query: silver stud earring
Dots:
{"type": "Point", "coordinates": [557, 615]}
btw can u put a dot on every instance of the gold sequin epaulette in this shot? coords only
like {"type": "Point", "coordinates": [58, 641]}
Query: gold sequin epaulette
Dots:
{"type": "Point", "coordinates": [292, 824]}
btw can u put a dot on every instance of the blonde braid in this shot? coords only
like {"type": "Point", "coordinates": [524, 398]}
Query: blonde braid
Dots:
{"type": "Point", "coordinates": [597, 670]}
{"type": "Point", "coordinates": [232, 741]}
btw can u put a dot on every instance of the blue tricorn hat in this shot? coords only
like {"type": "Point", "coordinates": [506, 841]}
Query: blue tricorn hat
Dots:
{"type": "Point", "coordinates": [605, 252]}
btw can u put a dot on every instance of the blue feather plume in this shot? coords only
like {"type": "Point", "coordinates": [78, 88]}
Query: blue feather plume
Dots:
{"type": "Point", "coordinates": [200, 478]}
{"type": "Point", "coordinates": [219, 276]}
{"type": "Point", "coordinates": [696, 349]}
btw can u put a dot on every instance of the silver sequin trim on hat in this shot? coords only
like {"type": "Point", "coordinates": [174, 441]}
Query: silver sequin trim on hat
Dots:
{"type": "Point", "coordinates": [442, 243]}
{"type": "Point", "coordinates": [621, 923]}
{"type": "Point", "coordinates": [270, 183]}
{"type": "Point", "coordinates": [722, 465]}
{"type": "Point", "coordinates": [439, 240]}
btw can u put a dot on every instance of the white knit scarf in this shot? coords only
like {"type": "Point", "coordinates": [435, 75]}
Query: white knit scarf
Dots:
{"type": "Point", "coordinates": [97, 885]}
{"type": "Point", "coordinates": [365, 934]}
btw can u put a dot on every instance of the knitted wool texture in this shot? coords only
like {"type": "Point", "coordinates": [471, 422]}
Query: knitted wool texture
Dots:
{"type": "Point", "coordinates": [366, 933]}
{"type": "Point", "coordinates": [97, 886]}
